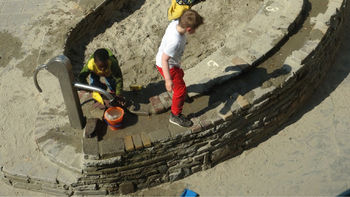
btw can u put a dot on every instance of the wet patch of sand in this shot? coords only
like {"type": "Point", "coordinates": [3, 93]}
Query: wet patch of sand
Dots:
{"type": "Point", "coordinates": [10, 48]}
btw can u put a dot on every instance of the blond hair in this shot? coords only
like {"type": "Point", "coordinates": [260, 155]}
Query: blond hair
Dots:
{"type": "Point", "coordinates": [190, 18]}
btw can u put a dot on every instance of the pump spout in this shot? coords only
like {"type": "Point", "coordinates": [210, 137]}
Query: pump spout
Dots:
{"type": "Point", "coordinates": [43, 66]}
{"type": "Point", "coordinates": [94, 89]}
{"type": "Point", "coordinates": [61, 67]}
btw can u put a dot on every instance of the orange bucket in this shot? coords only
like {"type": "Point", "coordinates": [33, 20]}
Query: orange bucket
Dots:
{"type": "Point", "coordinates": [114, 117]}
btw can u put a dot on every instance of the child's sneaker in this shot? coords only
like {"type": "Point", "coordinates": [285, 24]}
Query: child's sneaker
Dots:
{"type": "Point", "coordinates": [180, 120]}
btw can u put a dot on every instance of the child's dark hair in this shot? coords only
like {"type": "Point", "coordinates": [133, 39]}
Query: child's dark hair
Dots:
{"type": "Point", "coordinates": [101, 55]}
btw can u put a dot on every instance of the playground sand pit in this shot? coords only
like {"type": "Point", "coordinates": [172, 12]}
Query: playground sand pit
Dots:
{"type": "Point", "coordinates": [135, 40]}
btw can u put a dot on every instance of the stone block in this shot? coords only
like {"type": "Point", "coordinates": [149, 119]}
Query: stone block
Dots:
{"type": "Point", "coordinates": [154, 180]}
{"type": "Point", "coordinates": [20, 185]}
{"type": "Point", "coordinates": [66, 178]}
{"type": "Point", "coordinates": [159, 135]}
{"type": "Point", "coordinates": [310, 46]}
{"type": "Point", "coordinates": [86, 187]}
{"type": "Point", "coordinates": [126, 188]}
{"type": "Point", "coordinates": [206, 124]}
{"type": "Point", "coordinates": [178, 174]}
{"type": "Point", "coordinates": [146, 141]}
{"type": "Point", "coordinates": [235, 109]}
{"type": "Point", "coordinates": [197, 127]}
{"type": "Point", "coordinates": [220, 154]}
{"type": "Point", "coordinates": [140, 109]}
{"type": "Point", "coordinates": [157, 105]}
{"type": "Point", "coordinates": [137, 142]}
{"type": "Point", "coordinates": [242, 64]}
{"type": "Point", "coordinates": [6, 181]}
{"type": "Point", "coordinates": [176, 131]}
{"type": "Point", "coordinates": [299, 55]}
{"type": "Point", "coordinates": [165, 99]}
{"type": "Point", "coordinates": [207, 132]}
{"type": "Point", "coordinates": [187, 172]}
{"type": "Point", "coordinates": [186, 161]}
{"type": "Point", "coordinates": [91, 148]}
{"type": "Point", "coordinates": [163, 169]}
{"type": "Point", "coordinates": [43, 173]}
{"type": "Point", "coordinates": [216, 119]}
{"type": "Point", "coordinates": [224, 110]}
{"type": "Point", "coordinates": [242, 102]}
{"type": "Point", "coordinates": [195, 169]}
{"type": "Point", "coordinates": [214, 141]}
{"type": "Point", "coordinates": [199, 158]}
{"type": "Point", "coordinates": [36, 187]}
{"type": "Point", "coordinates": [91, 127]}
{"type": "Point", "coordinates": [50, 147]}
{"type": "Point", "coordinates": [111, 147]}
{"type": "Point", "coordinates": [69, 158]}
{"type": "Point", "coordinates": [129, 144]}
{"type": "Point", "coordinates": [91, 192]}
{"type": "Point", "coordinates": [204, 148]}
{"type": "Point", "coordinates": [230, 134]}
{"type": "Point", "coordinates": [17, 171]}
{"type": "Point", "coordinates": [56, 191]}
{"type": "Point", "coordinates": [172, 163]}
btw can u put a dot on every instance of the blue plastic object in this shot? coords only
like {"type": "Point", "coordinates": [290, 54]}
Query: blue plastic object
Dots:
{"type": "Point", "coordinates": [189, 193]}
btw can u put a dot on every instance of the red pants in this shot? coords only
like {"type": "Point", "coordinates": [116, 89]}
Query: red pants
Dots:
{"type": "Point", "coordinates": [179, 89]}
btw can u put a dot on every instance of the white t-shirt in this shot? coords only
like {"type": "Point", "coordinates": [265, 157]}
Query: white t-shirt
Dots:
{"type": "Point", "coordinates": [173, 44]}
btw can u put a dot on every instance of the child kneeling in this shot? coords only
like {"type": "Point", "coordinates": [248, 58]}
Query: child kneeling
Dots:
{"type": "Point", "coordinates": [103, 64]}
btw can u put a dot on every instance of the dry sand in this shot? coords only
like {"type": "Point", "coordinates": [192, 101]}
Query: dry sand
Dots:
{"type": "Point", "coordinates": [23, 48]}
{"type": "Point", "coordinates": [300, 160]}
{"type": "Point", "coordinates": [135, 40]}
{"type": "Point", "coordinates": [308, 157]}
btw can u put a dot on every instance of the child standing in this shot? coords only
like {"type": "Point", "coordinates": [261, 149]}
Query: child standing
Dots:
{"type": "Point", "coordinates": [168, 62]}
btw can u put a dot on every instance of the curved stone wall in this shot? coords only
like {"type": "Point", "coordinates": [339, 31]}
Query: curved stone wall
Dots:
{"type": "Point", "coordinates": [89, 27]}
{"type": "Point", "coordinates": [240, 123]}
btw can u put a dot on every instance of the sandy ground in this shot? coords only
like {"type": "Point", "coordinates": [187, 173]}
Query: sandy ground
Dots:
{"type": "Point", "coordinates": [308, 157]}
{"type": "Point", "coordinates": [22, 48]}
{"type": "Point", "coordinates": [135, 40]}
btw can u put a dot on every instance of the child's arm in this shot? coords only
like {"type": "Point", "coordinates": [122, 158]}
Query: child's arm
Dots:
{"type": "Point", "coordinates": [117, 76]}
{"type": "Point", "coordinates": [83, 74]}
{"type": "Point", "coordinates": [166, 72]}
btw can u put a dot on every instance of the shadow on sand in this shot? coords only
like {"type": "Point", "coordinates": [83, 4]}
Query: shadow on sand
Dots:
{"type": "Point", "coordinates": [94, 24]}
{"type": "Point", "coordinates": [333, 79]}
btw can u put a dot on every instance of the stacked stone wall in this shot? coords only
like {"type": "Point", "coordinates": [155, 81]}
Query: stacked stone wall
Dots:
{"type": "Point", "coordinates": [215, 137]}
{"type": "Point", "coordinates": [217, 140]}
{"type": "Point", "coordinates": [89, 27]}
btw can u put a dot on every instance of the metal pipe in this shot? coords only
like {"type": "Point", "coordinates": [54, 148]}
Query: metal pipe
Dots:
{"type": "Point", "coordinates": [43, 66]}
{"type": "Point", "coordinates": [95, 89]}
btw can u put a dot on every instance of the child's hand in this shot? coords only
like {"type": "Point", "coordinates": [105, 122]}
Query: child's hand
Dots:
{"type": "Point", "coordinates": [117, 101]}
{"type": "Point", "coordinates": [169, 85]}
